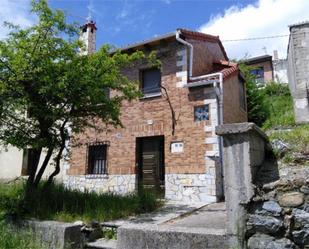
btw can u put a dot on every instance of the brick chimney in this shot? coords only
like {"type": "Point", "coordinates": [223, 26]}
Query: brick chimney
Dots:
{"type": "Point", "coordinates": [88, 37]}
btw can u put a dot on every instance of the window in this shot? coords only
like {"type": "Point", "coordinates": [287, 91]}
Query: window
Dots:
{"type": "Point", "coordinates": [97, 158]}
{"type": "Point", "coordinates": [151, 82]}
{"type": "Point", "coordinates": [28, 162]}
{"type": "Point", "coordinates": [201, 113]}
{"type": "Point", "coordinates": [259, 74]}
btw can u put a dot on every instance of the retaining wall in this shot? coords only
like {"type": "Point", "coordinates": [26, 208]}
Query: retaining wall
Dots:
{"type": "Point", "coordinates": [264, 212]}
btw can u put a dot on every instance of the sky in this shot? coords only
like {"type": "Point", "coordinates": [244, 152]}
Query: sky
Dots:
{"type": "Point", "coordinates": [122, 22]}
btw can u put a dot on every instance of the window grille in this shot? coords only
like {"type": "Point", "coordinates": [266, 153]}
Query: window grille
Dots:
{"type": "Point", "coordinates": [97, 158]}
{"type": "Point", "coordinates": [201, 113]}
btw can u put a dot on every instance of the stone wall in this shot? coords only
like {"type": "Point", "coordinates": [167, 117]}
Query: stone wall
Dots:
{"type": "Point", "coordinates": [190, 187]}
{"type": "Point", "coordinates": [263, 210]}
{"type": "Point", "coordinates": [120, 184]}
{"type": "Point", "coordinates": [279, 214]}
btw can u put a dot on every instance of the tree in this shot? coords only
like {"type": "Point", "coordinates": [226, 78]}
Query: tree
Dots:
{"type": "Point", "coordinates": [258, 111]}
{"type": "Point", "coordinates": [42, 74]}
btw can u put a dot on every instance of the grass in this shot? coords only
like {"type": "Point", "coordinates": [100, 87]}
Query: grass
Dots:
{"type": "Point", "coordinates": [11, 239]}
{"type": "Point", "coordinates": [278, 100]}
{"type": "Point", "coordinates": [59, 203]}
{"type": "Point", "coordinates": [297, 138]}
{"type": "Point", "coordinates": [280, 103]}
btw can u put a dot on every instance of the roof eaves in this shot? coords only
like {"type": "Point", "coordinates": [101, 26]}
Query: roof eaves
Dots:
{"type": "Point", "coordinates": [154, 39]}
{"type": "Point", "coordinates": [204, 36]}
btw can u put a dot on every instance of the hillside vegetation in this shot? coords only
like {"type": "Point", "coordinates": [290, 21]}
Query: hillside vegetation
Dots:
{"type": "Point", "coordinates": [276, 117]}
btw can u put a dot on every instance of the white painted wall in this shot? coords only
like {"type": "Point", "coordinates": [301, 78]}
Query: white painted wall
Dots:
{"type": "Point", "coordinates": [11, 164]}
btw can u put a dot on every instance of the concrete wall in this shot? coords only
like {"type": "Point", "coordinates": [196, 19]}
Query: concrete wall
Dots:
{"type": "Point", "coordinates": [10, 163]}
{"type": "Point", "coordinates": [298, 70]}
{"type": "Point", "coordinates": [56, 235]}
{"type": "Point", "coordinates": [247, 162]}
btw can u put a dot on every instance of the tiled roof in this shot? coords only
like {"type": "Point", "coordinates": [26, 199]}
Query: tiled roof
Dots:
{"type": "Point", "coordinates": [227, 68]}
{"type": "Point", "coordinates": [187, 33]}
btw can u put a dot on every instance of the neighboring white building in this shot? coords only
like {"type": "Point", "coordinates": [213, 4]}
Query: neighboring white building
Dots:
{"type": "Point", "coordinates": [15, 163]}
{"type": "Point", "coordinates": [280, 67]}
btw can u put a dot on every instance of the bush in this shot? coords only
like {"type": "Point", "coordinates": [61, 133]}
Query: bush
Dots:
{"type": "Point", "coordinates": [12, 239]}
{"type": "Point", "coordinates": [280, 102]}
{"type": "Point", "coordinates": [258, 110]}
{"type": "Point", "coordinates": [59, 203]}
{"type": "Point", "coordinates": [275, 89]}
{"type": "Point", "coordinates": [270, 106]}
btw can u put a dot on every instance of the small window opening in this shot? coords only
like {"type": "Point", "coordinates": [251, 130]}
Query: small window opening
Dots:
{"type": "Point", "coordinates": [97, 158]}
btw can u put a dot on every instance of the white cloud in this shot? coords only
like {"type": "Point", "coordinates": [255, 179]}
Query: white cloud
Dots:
{"type": "Point", "coordinates": [16, 12]}
{"type": "Point", "coordinates": [264, 18]}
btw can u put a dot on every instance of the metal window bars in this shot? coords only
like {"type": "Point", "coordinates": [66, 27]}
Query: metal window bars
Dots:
{"type": "Point", "coordinates": [97, 158]}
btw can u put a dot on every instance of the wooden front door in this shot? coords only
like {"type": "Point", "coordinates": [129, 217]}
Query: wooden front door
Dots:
{"type": "Point", "coordinates": [151, 162]}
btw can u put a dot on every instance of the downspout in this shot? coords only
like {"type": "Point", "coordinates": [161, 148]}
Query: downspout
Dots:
{"type": "Point", "coordinates": [218, 91]}
{"type": "Point", "coordinates": [219, 97]}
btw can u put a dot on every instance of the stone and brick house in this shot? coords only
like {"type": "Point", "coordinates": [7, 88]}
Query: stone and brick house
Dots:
{"type": "Point", "coordinates": [179, 154]}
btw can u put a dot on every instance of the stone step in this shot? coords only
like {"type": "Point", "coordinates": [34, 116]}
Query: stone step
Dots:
{"type": "Point", "coordinates": [102, 244]}
{"type": "Point", "coordinates": [166, 237]}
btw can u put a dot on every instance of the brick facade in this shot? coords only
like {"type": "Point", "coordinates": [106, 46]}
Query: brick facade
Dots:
{"type": "Point", "coordinates": [194, 174]}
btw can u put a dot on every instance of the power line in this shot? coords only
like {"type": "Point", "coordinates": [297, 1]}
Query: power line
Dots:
{"type": "Point", "coordinates": [255, 38]}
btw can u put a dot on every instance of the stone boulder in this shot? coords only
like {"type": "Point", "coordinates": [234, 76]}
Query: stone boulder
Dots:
{"type": "Point", "coordinates": [301, 218]}
{"type": "Point", "coordinates": [272, 207]}
{"type": "Point", "coordinates": [301, 237]}
{"type": "Point", "coordinates": [264, 241]}
{"type": "Point", "coordinates": [264, 224]}
{"type": "Point", "coordinates": [291, 199]}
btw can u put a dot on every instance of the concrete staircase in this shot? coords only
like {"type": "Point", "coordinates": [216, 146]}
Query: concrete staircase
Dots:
{"type": "Point", "coordinates": [171, 238]}
{"type": "Point", "coordinates": [203, 228]}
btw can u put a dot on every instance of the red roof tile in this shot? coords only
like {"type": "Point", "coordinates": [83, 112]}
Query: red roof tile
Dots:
{"type": "Point", "coordinates": [227, 68]}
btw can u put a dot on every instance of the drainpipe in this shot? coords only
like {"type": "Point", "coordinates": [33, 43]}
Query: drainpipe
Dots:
{"type": "Point", "coordinates": [219, 97]}
{"type": "Point", "coordinates": [218, 91]}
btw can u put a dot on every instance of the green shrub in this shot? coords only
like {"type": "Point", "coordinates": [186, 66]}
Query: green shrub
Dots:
{"type": "Point", "coordinates": [280, 103]}
{"type": "Point", "coordinates": [258, 110]}
{"type": "Point", "coordinates": [59, 203]}
{"type": "Point", "coordinates": [12, 239]}
{"type": "Point", "coordinates": [275, 89]}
